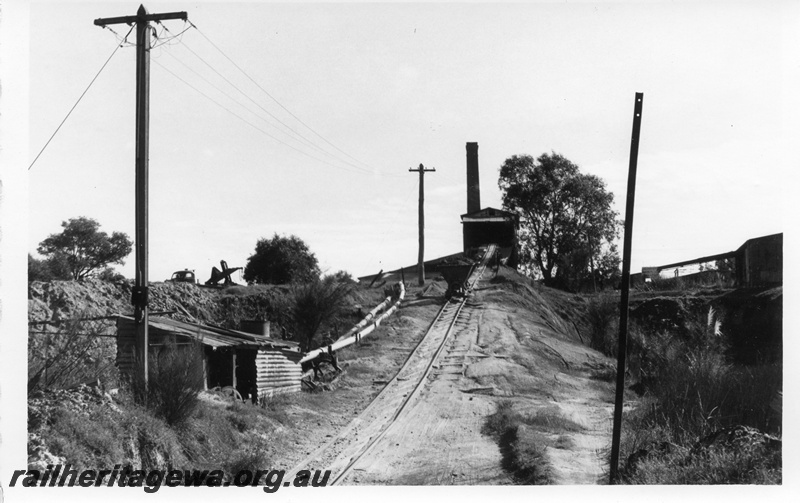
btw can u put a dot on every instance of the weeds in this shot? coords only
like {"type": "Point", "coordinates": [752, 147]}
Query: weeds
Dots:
{"type": "Point", "coordinates": [551, 419]}
{"type": "Point", "coordinates": [175, 379]}
{"type": "Point", "coordinates": [522, 442]}
{"type": "Point", "coordinates": [602, 313]}
{"type": "Point", "coordinates": [691, 390]}
{"type": "Point", "coordinates": [251, 457]}
{"type": "Point", "coordinates": [77, 354]}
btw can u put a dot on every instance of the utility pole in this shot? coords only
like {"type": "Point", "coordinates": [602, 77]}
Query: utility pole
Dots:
{"type": "Point", "coordinates": [626, 285]}
{"type": "Point", "coordinates": [421, 260]}
{"type": "Point", "coordinates": [140, 290]}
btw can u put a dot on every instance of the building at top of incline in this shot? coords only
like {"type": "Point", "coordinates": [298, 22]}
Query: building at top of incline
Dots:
{"type": "Point", "coordinates": [484, 226]}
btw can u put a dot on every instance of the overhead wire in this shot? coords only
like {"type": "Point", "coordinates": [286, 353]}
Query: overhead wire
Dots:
{"type": "Point", "coordinates": [299, 136]}
{"type": "Point", "coordinates": [245, 120]}
{"type": "Point", "coordinates": [274, 99]}
{"type": "Point", "coordinates": [168, 40]}
{"type": "Point", "coordinates": [239, 102]}
{"type": "Point", "coordinates": [302, 139]}
{"type": "Point", "coordinates": [116, 48]}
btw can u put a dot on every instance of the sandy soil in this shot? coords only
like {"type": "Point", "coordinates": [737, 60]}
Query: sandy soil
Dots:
{"type": "Point", "coordinates": [500, 350]}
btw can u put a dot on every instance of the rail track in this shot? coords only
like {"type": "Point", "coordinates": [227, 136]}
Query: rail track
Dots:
{"type": "Point", "coordinates": [344, 450]}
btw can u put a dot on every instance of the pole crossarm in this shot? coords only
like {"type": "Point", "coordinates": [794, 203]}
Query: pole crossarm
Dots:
{"type": "Point", "coordinates": [141, 17]}
{"type": "Point", "coordinates": [421, 168]}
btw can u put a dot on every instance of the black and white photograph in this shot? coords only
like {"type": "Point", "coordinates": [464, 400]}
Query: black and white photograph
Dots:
{"type": "Point", "coordinates": [282, 247]}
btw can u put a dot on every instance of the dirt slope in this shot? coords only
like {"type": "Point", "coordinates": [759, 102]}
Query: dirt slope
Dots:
{"type": "Point", "coordinates": [514, 347]}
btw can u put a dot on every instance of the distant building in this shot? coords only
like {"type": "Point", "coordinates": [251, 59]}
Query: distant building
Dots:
{"type": "Point", "coordinates": [490, 226]}
{"type": "Point", "coordinates": [759, 261]}
{"type": "Point", "coordinates": [483, 226]}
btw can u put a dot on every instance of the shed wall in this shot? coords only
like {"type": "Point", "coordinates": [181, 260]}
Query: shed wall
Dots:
{"type": "Point", "coordinates": [277, 372]}
{"type": "Point", "coordinates": [760, 261]}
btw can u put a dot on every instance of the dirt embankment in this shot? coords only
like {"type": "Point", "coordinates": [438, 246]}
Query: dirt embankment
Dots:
{"type": "Point", "coordinates": [67, 300]}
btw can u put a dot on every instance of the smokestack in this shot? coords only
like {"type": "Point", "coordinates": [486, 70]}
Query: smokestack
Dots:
{"type": "Point", "coordinates": [473, 179]}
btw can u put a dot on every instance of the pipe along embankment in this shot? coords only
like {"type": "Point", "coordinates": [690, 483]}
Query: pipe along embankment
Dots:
{"type": "Point", "coordinates": [370, 322]}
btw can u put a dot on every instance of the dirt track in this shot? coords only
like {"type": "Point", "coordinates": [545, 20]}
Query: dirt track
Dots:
{"type": "Point", "coordinates": [499, 350]}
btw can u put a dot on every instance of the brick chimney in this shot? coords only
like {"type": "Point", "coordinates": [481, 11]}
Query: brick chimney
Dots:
{"type": "Point", "coordinates": [473, 179]}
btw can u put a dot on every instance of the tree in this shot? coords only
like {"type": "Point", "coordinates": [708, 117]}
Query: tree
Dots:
{"type": "Point", "coordinates": [567, 225]}
{"type": "Point", "coordinates": [49, 269]}
{"type": "Point", "coordinates": [315, 303]}
{"type": "Point", "coordinates": [342, 276]}
{"type": "Point", "coordinates": [281, 260]}
{"type": "Point", "coordinates": [85, 248]}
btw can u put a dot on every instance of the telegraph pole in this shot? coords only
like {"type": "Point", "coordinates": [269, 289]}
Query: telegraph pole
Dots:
{"type": "Point", "coordinates": [140, 290]}
{"type": "Point", "coordinates": [626, 284]}
{"type": "Point", "coordinates": [420, 260]}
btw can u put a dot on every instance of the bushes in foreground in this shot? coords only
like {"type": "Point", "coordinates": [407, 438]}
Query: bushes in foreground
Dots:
{"type": "Point", "coordinates": [523, 443]}
{"type": "Point", "coordinates": [690, 387]}
{"type": "Point", "coordinates": [95, 434]}
{"type": "Point", "coordinates": [690, 391]}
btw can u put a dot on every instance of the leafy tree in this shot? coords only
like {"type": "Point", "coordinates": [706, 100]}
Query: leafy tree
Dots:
{"type": "Point", "coordinates": [49, 269]}
{"type": "Point", "coordinates": [343, 276]}
{"type": "Point", "coordinates": [281, 260]}
{"type": "Point", "coordinates": [315, 303]}
{"type": "Point", "coordinates": [566, 222]}
{"type": "Point", "coordinates": [85, 248]}
{"type": "Point", "coordinates": [110, 275]}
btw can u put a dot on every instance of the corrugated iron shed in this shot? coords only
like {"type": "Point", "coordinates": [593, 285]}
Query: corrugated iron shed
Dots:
{"type": "Point", "coordinates": [256, 365]}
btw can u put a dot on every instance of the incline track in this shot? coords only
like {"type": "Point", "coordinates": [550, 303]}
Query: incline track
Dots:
{"type": "Point", "coordinates": [357, 438]}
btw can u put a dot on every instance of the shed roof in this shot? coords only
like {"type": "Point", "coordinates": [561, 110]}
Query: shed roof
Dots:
{"type": "Point", "coordinates": [209, 335]}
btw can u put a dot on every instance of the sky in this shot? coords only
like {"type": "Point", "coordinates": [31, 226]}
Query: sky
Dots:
{"type": "Point", "coordinates": [372, 90]}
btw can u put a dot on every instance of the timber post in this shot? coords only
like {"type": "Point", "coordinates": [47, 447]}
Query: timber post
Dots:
{"type": "Point", "coordinates": [420, 258]}
{"type": "Point", "coordinates": [140, 290]}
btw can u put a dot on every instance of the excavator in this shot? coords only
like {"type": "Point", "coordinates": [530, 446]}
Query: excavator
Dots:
{"type": "Point", "coordinates": [217, 275]}
{"type": "Point", "coordinates": [224, 274]}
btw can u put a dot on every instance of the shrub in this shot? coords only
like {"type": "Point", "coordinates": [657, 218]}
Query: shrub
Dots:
{"type": "Point", "coordinates": [150, 441]}
{"type": "Point", "coordinates": [251, 457]}
{"type": "Point", "coordinates": [692, 390]}
{"type": "Point", "coordinates": [74, 355]}
{"type": "Point", "coordinates": [85, 441]}
{"type": "Point", "coordinates": [315, 303]}
{"type": "Point", "coordinates": [523, 450]}
{"type": "Point", "coordinates": [175, 379]}
{"type": "Point", "coordinates": [602, 313]}
{"type": "Point", "coordinates": [551, 419]}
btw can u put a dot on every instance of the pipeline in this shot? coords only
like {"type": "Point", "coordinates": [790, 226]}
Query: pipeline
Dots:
{"type": "Point", "coordinates": [345, 340]}
{"type": "Point", "coordinates": [363, 323]}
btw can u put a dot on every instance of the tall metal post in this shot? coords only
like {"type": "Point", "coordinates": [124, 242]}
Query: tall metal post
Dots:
{"type": "Point", "coordinates": [421, 256]}
{"type": "Point", "coordinates": [626, 283]}
{"type": "Point", "coordinates": [140, 289]}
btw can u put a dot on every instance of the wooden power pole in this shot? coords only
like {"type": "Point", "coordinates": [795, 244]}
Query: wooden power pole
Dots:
{"type": "Point", "coordinates": [421, 258]}
{"type": "Point", "coordinates": [626, 284]}
{"type": "Point", "coordinates": [140, 290]}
